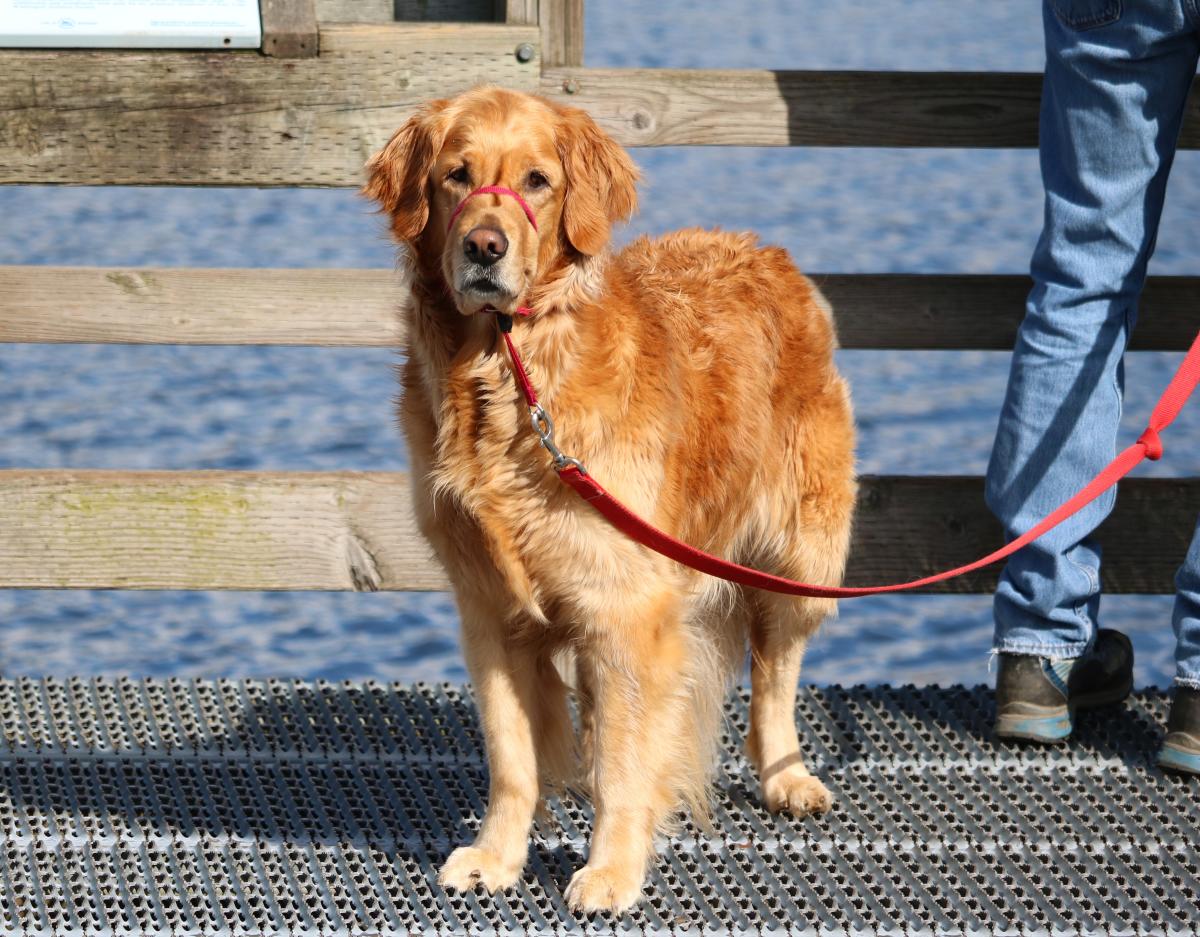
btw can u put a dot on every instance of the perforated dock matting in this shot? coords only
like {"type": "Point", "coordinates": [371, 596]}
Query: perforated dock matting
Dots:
{"type": "Point", "coordinates": [276, 807]}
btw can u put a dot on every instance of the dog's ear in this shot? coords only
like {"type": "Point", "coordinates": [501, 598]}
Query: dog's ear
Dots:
{"type": "Point", "coordinates": [398, 175]}
{"type": "Point", "coordinates": [601, 181]}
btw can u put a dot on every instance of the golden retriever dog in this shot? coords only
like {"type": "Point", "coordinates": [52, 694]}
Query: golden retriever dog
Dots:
{"type": "Point", "coordinates": [693, 375]}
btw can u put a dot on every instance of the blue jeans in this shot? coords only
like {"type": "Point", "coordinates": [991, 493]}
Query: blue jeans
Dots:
{"type": "Point", "coordinates": [1117, 77]}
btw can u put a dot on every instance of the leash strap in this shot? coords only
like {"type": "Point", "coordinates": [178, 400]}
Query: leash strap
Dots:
{"type": "Point", "coordinates": [1148, 446]}
{"type": "Point", "coordinates": [519, 372]}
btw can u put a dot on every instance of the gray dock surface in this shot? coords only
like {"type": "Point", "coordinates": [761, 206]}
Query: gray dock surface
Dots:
{"type": "Point", "coordinates": [190, 807]}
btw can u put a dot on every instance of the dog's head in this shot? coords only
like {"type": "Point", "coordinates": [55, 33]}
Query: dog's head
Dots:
{"type": "Point", "coordinates": [575, 179]}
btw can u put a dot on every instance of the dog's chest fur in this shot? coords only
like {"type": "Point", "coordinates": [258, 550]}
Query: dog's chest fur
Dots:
{"type": "Point", "coordinates": [485, 496]}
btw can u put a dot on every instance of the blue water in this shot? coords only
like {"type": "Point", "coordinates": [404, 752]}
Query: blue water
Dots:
{"type": "Point", "coordinates": [305, 408]}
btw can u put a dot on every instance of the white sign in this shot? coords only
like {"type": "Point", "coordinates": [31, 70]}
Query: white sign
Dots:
{"type": "Point", "coordinates": [128, 24]}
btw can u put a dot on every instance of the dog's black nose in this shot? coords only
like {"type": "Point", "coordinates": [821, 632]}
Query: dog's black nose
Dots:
{"type": "Point", "coordinates": [485, 246]}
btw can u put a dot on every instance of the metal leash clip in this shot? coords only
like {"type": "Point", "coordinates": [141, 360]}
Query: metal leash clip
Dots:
{"type": "Point", "coordinates": [544, 427]}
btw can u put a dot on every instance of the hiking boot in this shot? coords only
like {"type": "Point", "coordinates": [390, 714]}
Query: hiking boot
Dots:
{"type": "Point", "coordinates": [1181, 748]}
{"type": "Point", "coordinates": [1036, 697]}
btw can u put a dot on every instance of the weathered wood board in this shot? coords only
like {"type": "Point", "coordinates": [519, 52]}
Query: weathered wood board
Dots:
{"type": "Point", "coordinates": [243, 119]}
{"type": "Point", "coordinates": [350, 530]}
{"type": "Point", "coordinates": [185, 306]}
{"type": "Point", "coordinates": [949, 312]}
{"type": "Point", "coordinates": [210, 530]}
{"type": "Point", "coordinates": [239, 118]}
{"type": "Point", "coordinates": [359, 307]}
{"type": "Point", "coordinates": [746, 107]}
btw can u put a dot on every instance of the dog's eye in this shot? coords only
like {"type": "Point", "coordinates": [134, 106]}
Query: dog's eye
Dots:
{"type": "Point", "coordinates": [537, 180]}
{"type": "Point", "coordinates": [459, 175]}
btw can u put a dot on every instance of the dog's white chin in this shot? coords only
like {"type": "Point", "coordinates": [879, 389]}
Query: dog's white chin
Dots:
{"type": "Point", "coordinates": [469, 302]}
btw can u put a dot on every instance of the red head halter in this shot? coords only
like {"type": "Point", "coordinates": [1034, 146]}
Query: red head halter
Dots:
{"type": "Point", "coordinates": [493, 190]}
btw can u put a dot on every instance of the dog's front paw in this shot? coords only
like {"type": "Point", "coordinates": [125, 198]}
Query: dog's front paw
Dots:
{"type": "Point", "coordinates": [604, 888]}
{"type": "Point", "coordinates": [798, 793]}
{"type": "Point", "coordinates": [468, 867]}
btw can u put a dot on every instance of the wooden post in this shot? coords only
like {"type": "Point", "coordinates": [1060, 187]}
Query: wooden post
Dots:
{"type": "Point", "coordinates": [289, 28]}
{"type": "Point", "coordinates": [517, 12]}
{"type": "Point", "coordinates": [562, 32]}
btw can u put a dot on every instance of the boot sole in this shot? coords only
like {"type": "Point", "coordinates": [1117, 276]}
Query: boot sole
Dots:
{"type": "Point", "coordinates": [1184, 758]}
{"type": "Point", "coordinates": [1053, 727]}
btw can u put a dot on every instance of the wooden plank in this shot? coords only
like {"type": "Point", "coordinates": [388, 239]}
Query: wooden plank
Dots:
{"type": "Point", "coordinates": [221, 118]}
{"type": "Point", "coordinates": [210, 530]}
{"type": "Point", "coordinates": [359, 307]}
{"type": "Point", "coordinates": [238, 118]}
{"type": "Point", "coordinates": [200, 307]}
{"type": "Point", "coordinates": [353, 530]}
{"type": "Point", "coordinates": [562, 32]}
{"type": "Point", "coordinates": [97, 117]}
{"type": "Point", "coordinates": [674, 107]}
{"type": "Point", "coordinates": [289, 28]}
{"type": "Point", "coordinates": [908, 527]}
{"type": "Point", "coordinates": [981, 312]}
{"type": "Point", "coordinates": [355, 11]}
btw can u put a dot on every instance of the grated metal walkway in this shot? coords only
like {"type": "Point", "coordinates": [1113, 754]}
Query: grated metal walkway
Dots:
{"type": "Point", "coordinates": [274, 807]}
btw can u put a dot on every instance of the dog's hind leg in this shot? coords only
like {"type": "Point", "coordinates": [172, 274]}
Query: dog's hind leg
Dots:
{"type": "Point", "coordinates": [804, 534]}
{"type": "Point", "coordinates": [779, 632]}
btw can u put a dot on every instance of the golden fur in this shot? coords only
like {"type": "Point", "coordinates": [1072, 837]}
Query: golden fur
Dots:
{"type": "Point", "coordinates": [694, 376]}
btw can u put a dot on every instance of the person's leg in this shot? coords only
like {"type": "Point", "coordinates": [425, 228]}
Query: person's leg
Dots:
{"type": "Point", "coordinates": [1111, 109]}
{"type": "Point", "coordinates": [1186, 618]}
{"type": "Point", "coordinates": [1112, 103]}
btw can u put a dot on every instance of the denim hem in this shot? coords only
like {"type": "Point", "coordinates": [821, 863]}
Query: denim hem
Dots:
{"type": "Point", "coordinates": [1033, 649]}
{"type": "Point", "coordinates": [1192, 683]}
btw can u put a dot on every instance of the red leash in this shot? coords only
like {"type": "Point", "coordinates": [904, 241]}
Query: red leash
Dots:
{"type": "Point", "coordinates": [573, 473]}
